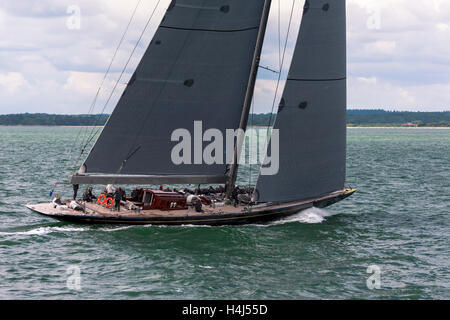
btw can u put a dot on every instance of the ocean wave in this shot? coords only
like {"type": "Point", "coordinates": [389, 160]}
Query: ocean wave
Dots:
{"type": "Point", "coordinates": [309, 216]}
{"type": "Point", "coordinates": [44, 230]}
{"type": "Point", "coordinates": [116, 229]}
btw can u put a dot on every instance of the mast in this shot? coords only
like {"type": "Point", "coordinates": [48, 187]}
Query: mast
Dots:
{"type": "Point", "coordinates": [248, 97]}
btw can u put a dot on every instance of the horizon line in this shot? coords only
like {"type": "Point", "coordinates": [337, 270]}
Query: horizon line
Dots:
{"type": "Point", "coordinates": [96, 114]}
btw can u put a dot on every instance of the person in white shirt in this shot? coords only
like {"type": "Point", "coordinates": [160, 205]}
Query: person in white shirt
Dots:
{"type": "Point", "coordinates": [110, 189]}
{"type": "Point", "coordinates": [75, 206]}
{"type": "Point", "coordinates": [57, 200]}
{"type": "Point", "coordinates": [57, 203]}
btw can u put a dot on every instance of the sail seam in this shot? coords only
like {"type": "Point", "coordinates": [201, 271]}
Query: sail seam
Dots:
{"type": "Point", "coordinates": [209, 30]}
{"type": "Point", "coordinates": [307, 80]}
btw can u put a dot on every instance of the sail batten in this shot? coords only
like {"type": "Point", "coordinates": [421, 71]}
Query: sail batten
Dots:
{"type": "Point", "coordinates": [196, 68]}
{"type": "Point", "coordinates": [306, 80]}
{"type": "Point", "coordinates": [312, 114]}
{"type": "Point", "coordinates": [210, 30]}
{"type": "Point", "coordinates": [146, 179]}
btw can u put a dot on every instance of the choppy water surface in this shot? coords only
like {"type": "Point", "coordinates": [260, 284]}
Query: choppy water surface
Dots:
{"type": "Point", "coordinates": [398, 221]}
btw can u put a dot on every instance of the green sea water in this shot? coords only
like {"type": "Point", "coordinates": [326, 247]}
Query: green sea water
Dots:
{"type": "Point", "coordinates": [398, 221]}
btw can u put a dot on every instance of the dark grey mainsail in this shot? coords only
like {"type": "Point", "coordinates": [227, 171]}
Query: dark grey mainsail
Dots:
{"type": "Point", "coordinates": [196, 68]}
{"type": "Point", "coordinates": [312, 113]}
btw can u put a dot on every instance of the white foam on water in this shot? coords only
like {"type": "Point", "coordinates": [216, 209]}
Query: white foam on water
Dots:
{"type": "Point", "coordinates": [195, 226]}
{"type": "Point", "coordinates": [116, 229]}
{"type": "Point", "coordinates": [309, 216]}
{"type": "Point", "coordinates": [45, 230]}
{"type": "Point", "coordinates": [176, 226]}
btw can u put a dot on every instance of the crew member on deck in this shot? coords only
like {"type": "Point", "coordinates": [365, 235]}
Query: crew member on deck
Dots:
{"type": "Point", "coordinates": [198, 205]}
{"type": "Point", "coordinates": [75, 190]}
{"type": "Point", "coordinates": [110, 189]}
{"type": "Point", "coordinates": [234, 196]}
{"type": "Point", "coordinates": [57, 201]}
{"type": "Point", "coordinates": [135, 194]}
{"type": "Point", "coordinates": [75, 206]}
{"type": "Point", "coordinates": [118, 195]}
{"type": "Point", "coordinates": [88, 196]}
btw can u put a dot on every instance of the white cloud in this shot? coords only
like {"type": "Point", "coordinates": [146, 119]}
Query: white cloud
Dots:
{"type": "Point", "coordinates": [442, 26]}
{"type": "Point", "coordinates": [383, 94]}
{"type": "Point", "coordinates": [381, 47]}
{"type": "Point", "coordinates": [11, 82]}
{"type": "Point", "coordinates": [371, 80]}
{"type": "Point", "coordinates": [83, 83]}
{"type": "Point", "coordinates": [437, 4]}
{"type": "Point", "coordinates": [264, 95]}
{"type": "Point", "coordinates": [404, 62]}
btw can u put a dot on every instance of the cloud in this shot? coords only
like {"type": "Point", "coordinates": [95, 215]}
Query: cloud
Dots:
{"type": "Point", "coordinates": [83, 83]}
{"type": "Point", "coordinates": [383, 94]}
{"type": "Point", "coordinates": [47, 8]}
{"type": "Point", "coordinates": [11, 82]}
{"type": "Point", "coordinates": [398, 52]}
{"type": "Point", "coordinates": [371, 80]}
{"type": "Point", "coordinates": [381, 47]}
{"type": "Point", "coordinates": [443, 26]}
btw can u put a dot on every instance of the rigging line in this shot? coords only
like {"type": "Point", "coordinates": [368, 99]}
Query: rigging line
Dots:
{"type": "Point", "coordinates": [123, 70]}
{"type": "Point", "coordinates": [251, 140]}
{"type": "Point", "coordinates": [278, 83]}
{"type": "Point", "coordinates": [279, 75]}
{"type": "Point", "coordinates": [249, 207]}
{"type": "Point", "coordinates": [279, 33]}
{"type": "Point", "coordinates": [124, 162]}
{"type": "Point", "coordinates": [274, 71]}
{"type": "Point", "coordinates": [92, 107]}
{"type": "Point", "coordinates": [268, 69]}
{"type": "Point", "coordinates": [150, 110]}
{"type": "Point", "coordinates": [93, 134]}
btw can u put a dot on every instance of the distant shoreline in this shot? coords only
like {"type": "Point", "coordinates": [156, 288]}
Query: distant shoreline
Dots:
{"type": "Point", "coordinates": [354, 118]}
{"type": "Point", "coordinates": [362, 127]}
{"type": "Point", "coordinates": [368, 127]}
{"type": "Point", "coordinates": [47, 126]}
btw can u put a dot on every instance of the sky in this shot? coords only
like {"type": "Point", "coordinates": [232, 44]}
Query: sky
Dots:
{"type": "Point", "coordinates": [54, 53]}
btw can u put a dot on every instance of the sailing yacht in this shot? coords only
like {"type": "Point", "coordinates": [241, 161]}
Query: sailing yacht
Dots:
{"type": "Point", "coordinates": [202, 65]}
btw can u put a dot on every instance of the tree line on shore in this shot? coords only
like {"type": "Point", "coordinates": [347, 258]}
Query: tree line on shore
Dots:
{"type": "Point", "coordinates": [367, 118]}
{"type": "Point", "coordinates": [44, 119]}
